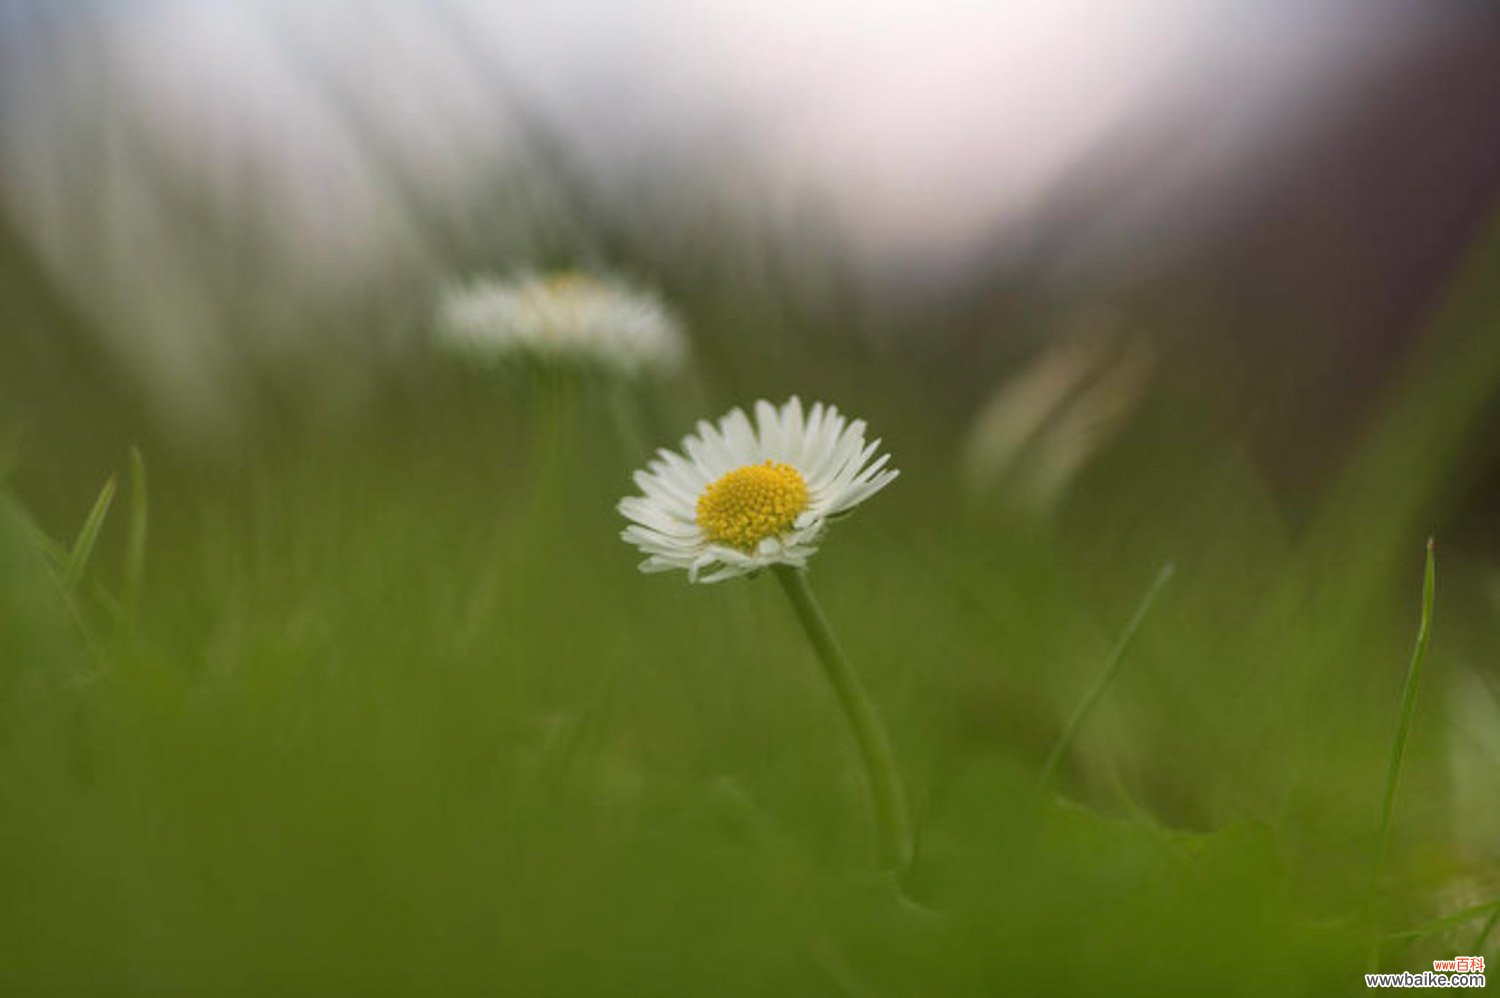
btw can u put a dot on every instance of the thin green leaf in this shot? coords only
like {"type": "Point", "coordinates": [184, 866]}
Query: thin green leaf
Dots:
{"type": "Point", "coordinates": [1477, 946]}
{"type": "Point", "coordinates": [88, 534]}
{"type": "Point", "coordinates": [135, 538]}
{"type": "Point", "coordinates": [1111, 667]}
{"type": "Point", "coordinates": [1447, 922]}
{"type": "Point", "coordinates": [1408, 703]}
{"type": "Point", "coordinates": [56, 555]}
{"type": "Point", "coordinates": [1403, 728]}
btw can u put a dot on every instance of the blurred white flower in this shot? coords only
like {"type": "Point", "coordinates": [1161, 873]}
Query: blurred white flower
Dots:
{"type": "Point", "coordinates": [747, 496]}
{"type": "Point", "coordinates": [568, 316]}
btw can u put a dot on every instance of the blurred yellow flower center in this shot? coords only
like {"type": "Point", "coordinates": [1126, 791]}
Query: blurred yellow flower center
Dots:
{"type": "Point", "coordinates": [568, 282]}
{"type": "Point", "coordinates": [752, 503]}
{"type": "Point", "coordinates": [556, 298]}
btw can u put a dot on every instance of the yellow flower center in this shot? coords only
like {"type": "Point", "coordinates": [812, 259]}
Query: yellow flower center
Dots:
{"type": "Point", "coordinates": [568, 282]}
{"type": "Point", "coordinates": [554, 301]}
{"type": "Point", "coordinates": [752, 503]}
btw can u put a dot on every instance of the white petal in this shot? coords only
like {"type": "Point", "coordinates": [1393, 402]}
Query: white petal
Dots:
{"type": "Point", "coordinates": [652, 542]}
{"type": "Point", "coordinates": [851, 467]}
{"type": "Point", "coordinates": [685, 474]}
{"type": "Point", "coordinates": [739, 436]}
{"type": "Point", "coordinates": [847, 446]}
{"type": "Point", "coordinates": [656, 563]}
{"type": "Point", "coordinates": [708, 451]}
{"type": "Point", "coordinates": [869, 471]}
{"type": "Point", "coordinates": [772, 440]}
{"type": "Point", "coordinates": [857, 494]}
{"type": "Point", "coordinates": [724, 573]}
{"type": "Point", "coordinates": [655, 520]}
{"type": "Point", "coordinates": [698, 564]}
{"type": "Point", "coordinates": [670, 496]}
{"type": "Point", "coordinates": [826, 447]}
{"type": "Point", "coordinates": [811, 434]}
{"type": "Point", "coordinates": [792, 431]}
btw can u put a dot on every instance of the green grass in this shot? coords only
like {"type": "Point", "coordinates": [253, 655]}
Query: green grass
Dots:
{"type": "Point", "coordinates": [382, 705]}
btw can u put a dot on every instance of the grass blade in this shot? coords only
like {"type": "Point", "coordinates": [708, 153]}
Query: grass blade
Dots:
{"type": "Point", "coordinates": [1408, 705]}
{"type": "Point", "coordinates": [88, 534]}
{"type": "Point", "coordinates": [1483, 937]}
{"type": "Point", "coordinates": [56, 555]}
{"type": "Point", "coordinates": [1403, 728]}
{"type": "Point", "coordinates": [1490, 908]}
{"type": "Point", "coordinates": [1111, 668]}
{"type": "Point", "coordinates": [135, 537]}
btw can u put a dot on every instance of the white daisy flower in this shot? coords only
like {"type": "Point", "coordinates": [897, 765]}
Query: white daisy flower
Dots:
{"type": "Point", "coordinates": [747, 496]}
{"type": "Point", "coordinates": [566, 316]}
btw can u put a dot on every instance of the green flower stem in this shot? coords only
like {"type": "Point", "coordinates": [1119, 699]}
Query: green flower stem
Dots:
{"type": "Point", "coordinates": [625, 411]}
{"type": "Point", "coordinates": [551, 399]}
{"type": "Point", "coordinates": [892, 823]}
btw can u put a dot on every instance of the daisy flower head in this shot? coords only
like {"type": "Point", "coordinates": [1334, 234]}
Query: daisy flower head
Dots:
{"type": "Point", "coordinates": [742, 496]}
{"type": "Point", "coordinates": [567, 316]}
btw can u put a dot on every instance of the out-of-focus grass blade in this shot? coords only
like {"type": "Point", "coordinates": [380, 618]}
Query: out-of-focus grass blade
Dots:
{"type": "Point", "coordinates": [1403, 728]}
{"type": "Point", "coordinates": [135, 538]}
{"type": "Point", "coordinates": [10, 454]}
{"type": "Point", "coordinates": [1408, 701]}
{"type": "Point", "coordinates": [1111, 666]}
{"type": "Point", "coordinates": [1477, 946]}
{"type": "Point", "coordinates": [1490, 908]}
{"type": "Point", "coordinates": [88, 534]}
{"type": "Point", "coordinates": [1388, 490]}
{"type": "Point", "coordinates": [55, 553]}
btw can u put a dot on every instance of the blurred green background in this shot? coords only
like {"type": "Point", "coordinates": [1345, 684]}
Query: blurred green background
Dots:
{"type": "Point", "coordinates": [358, 690]}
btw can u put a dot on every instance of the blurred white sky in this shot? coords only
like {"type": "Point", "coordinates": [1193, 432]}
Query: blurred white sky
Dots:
{"type": "Point", "coordinates": [926, 129]}
{"type": "Point", "coordinates": [927, 126]}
